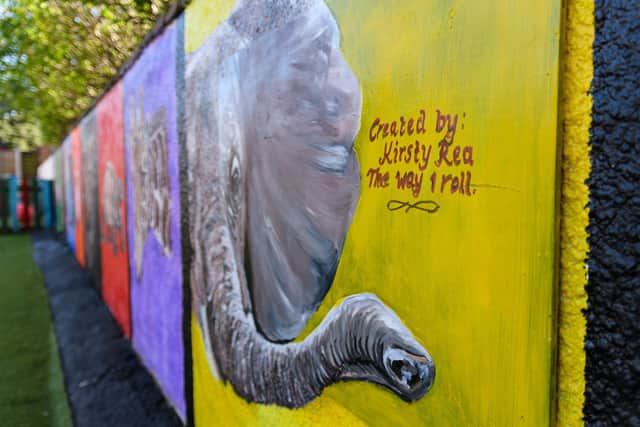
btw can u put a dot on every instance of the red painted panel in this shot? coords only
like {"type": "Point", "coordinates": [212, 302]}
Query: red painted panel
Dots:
{"type": "Point", "coordinates": [76, 176]}
{"type": "Point", "coordinates": [113, 214]}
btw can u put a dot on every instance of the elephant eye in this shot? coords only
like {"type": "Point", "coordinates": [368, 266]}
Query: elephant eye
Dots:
{"type": "Point", "coordinates": [234, 173]}
{"type": "Point", "coordinates": [234, 195]}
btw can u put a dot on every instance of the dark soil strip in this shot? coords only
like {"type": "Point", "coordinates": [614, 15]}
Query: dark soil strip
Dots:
{"type": "Point", "coordinates": [106, 383]}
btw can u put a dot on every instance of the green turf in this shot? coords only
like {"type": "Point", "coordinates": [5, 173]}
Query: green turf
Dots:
{"type": "Point", "coordinates": [31, 383]}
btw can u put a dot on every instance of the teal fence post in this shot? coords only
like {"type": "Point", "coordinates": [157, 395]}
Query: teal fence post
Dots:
{"type": "Point", "coordinates": [4, 205]}
{"type": "Point", "coordinates": [44, 207]}
{"type": "Point", "coordinates": [53, 206]}
{"type": "Point", "coordinates": [13, 204]}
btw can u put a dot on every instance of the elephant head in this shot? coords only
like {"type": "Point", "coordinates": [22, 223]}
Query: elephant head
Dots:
{"type": "Point", "coordinates": [272, 114]}
{"type": "Point", "coordinates": [89, 155]}
{"type": "Point", "coordinates": [112, 196]}
{"type": "Point", "coordinates": [150, 177]}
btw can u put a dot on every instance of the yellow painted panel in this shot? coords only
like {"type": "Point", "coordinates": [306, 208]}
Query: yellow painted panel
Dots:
{"type": "Point", "coordinates": [201, 18]}
{"type": "Point", "coordinates": [474, 281]}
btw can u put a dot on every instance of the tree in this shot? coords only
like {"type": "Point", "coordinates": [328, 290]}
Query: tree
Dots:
{"type": "Point", "coordinates": [57, 56]}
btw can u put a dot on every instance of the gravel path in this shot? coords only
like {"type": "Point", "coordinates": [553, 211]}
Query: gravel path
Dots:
{"type": "Point", "coordinates": [106, 383]}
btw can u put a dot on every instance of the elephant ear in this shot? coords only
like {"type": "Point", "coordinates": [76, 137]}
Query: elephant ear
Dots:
{"type": "Point", "coordinates": [302, 113]}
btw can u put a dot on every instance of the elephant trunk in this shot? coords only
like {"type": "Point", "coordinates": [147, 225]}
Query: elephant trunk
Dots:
{"type": "Point", "coordinates": [360, 339]}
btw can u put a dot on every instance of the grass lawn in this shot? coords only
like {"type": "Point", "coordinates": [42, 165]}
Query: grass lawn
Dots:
{"type": "Point", "coordinates": [31, 383]}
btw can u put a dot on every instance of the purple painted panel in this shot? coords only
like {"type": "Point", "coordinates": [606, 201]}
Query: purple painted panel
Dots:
{"type": "Point", "coordinates": [153, 214]}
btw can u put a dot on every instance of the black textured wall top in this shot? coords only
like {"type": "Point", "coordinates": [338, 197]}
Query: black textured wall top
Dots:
{"type": "Point", "coordinates": [613, 317]}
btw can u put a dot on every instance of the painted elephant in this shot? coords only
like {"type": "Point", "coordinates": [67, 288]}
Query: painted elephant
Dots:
{"type": "Point", "coordinates": [89, 165]}
{"type": "Point", "coordinates": [151, 190]}
{"type": "Point", "coordinates": [272, 113]}
{"type": "Point", "coordinates": [112, 196]}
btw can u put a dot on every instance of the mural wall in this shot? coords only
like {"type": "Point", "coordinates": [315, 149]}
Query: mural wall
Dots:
{"type": "Point", "coordinates": [153, 218]}
{"type": "Point", "coordinates": [78, 196]}
{"type": "Point", "coordinates": [69, 209]}
{"type": "Point", "coordinates": [89, 167]}
{"type": "Point", "coordinates": [59, 188]}
{"type": "Point", "coordinates": [112, 211]}
{"type": "Point", "coordinates": [357, 189]}
{"type": "Point", "coordinates": [321, 213]}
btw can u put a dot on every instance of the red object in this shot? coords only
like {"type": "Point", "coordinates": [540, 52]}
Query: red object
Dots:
{"type": "Point", "coordinates": [25, 215]}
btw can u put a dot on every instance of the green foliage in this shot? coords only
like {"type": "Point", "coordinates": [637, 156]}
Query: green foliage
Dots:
{"type": "Point", "coordinates": [18, 132]}
{"type": "Point", "coordinates": [57, 56]}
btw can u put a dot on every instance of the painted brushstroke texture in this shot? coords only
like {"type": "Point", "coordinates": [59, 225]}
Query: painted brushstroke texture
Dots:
{"type": "Point", "coordinates": [270, 143]}
{"type": "Point", "coordinates": [69, 212]}
{"type": "Point", "coordinates": [111, 194]}
{"type": "Point", "coordinates": [153, 214]}
{"type": "Point", "coordinates": [150, 178]}
{"type": "Point", "coordinates": [78, 204]}
{"type": "Point", "coordinates": [88, 167]}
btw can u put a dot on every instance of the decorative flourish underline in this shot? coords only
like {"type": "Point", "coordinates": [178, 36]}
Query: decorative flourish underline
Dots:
{"type": "Point", "coordinates": [498, 187]}
{"type": "Point", "coordinates": [428, 206]}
